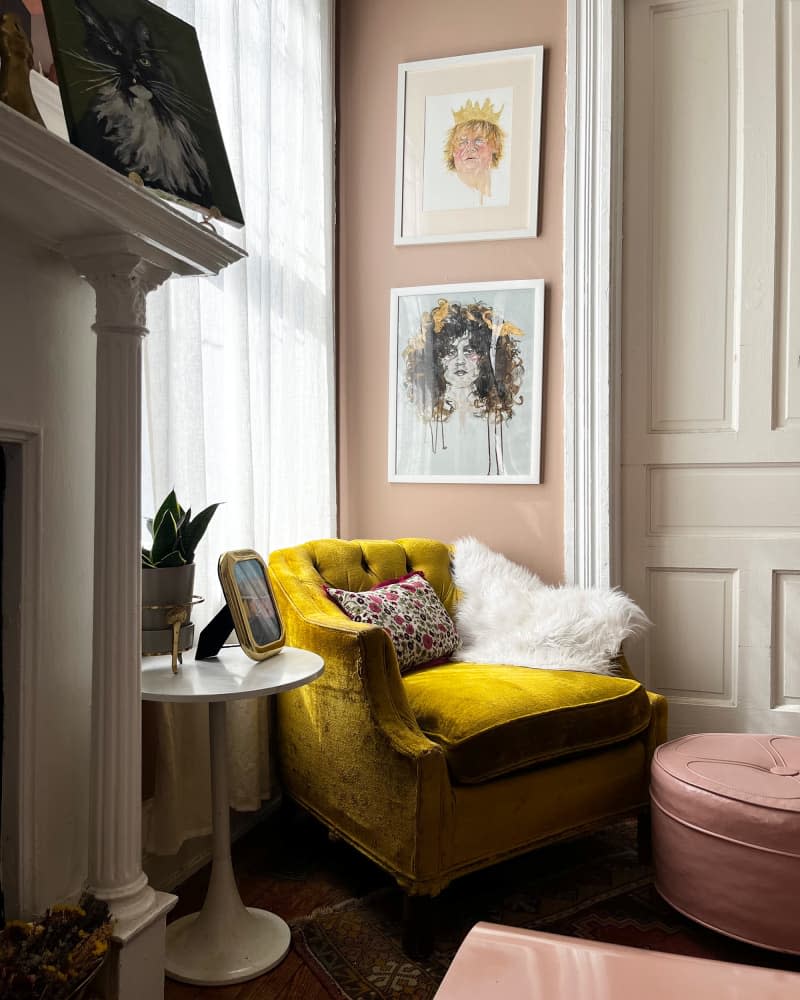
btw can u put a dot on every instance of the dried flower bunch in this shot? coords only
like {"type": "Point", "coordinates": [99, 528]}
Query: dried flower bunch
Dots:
{"type": "Point", "coordinates": [49, 958]}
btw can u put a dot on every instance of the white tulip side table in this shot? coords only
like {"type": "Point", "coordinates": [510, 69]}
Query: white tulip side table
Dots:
{"type": "Point", "coordinates": [225, 942]}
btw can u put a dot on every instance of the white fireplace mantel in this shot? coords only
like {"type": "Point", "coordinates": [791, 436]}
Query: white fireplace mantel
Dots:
{"type": "Point", "coordinates": [56, 194]}
{"type": "Point", "coordinates": [124, 242]}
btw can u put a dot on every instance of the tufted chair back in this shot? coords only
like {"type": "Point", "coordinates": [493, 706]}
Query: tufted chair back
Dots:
{"type": "Point", "coordinates": [361, 564]}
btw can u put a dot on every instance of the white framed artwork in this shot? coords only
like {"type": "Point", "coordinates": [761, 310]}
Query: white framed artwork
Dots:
{"type": "Point", "coordinates": [465, 382]}
{"type": "Point", "coordinates": [468, 144]}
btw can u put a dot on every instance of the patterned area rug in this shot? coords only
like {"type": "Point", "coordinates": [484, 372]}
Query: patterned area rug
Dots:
{"type": "Point", "coordinates": [591, 888]}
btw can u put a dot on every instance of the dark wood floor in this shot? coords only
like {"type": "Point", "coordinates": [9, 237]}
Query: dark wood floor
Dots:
{"type": "Point", "coordinates": [287, 865]}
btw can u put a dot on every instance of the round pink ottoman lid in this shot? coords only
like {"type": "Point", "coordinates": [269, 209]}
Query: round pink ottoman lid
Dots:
{"type": "Point", "coordinates": [758, 773]}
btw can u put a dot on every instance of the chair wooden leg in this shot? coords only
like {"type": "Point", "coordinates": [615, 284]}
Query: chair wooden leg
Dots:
{"type": "Point", "coordinates": [418, 926]}
{"type": "Point", "coordinates": [643, 837]}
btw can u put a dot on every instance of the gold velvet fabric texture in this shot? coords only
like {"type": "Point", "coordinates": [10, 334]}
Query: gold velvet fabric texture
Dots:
{"type": "Point", "coordinates": [491, 719]}
{"type": "Point", "coordinates": [452, 767]}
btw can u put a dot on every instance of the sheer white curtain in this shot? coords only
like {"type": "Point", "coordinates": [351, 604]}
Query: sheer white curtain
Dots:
{"type": "Point", "coordinates": [239, 377]}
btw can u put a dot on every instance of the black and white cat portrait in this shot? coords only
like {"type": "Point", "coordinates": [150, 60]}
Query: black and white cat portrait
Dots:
{"type": "Point", "coordinates": [129, 110]}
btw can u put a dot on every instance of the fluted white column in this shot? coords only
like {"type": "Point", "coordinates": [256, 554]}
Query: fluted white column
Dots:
{"type": "Point", "coordinates": [121, 282]}
{"type": "Point", "coordinates": [115, 868]}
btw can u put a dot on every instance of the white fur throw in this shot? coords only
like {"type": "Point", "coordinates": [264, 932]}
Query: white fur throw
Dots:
{"type": "Point", "coordinates": [507, 615]}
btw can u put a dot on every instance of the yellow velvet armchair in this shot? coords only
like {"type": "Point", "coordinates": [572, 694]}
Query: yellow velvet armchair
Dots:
{"type": "Point", "coordinates": [449, 768]}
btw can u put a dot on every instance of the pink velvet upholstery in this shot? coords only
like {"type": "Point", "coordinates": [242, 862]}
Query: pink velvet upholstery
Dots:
{"type": "Point", "coordinates": [726, 833]}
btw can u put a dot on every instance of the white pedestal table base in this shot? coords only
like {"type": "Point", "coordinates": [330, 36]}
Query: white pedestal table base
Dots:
{"type": "Point", "coordinates": [226, 942]}
{"type": "Point", "coordinates": [202, 956]}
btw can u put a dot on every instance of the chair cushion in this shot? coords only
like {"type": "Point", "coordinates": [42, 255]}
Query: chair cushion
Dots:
{"type": "Point", "coordinates": [493, 720]}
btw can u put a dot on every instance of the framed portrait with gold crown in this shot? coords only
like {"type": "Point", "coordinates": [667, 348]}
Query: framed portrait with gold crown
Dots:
{"type": "Point", "coordinates": [468, 145]}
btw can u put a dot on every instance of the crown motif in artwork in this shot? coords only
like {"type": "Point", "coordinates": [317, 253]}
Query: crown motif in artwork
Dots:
{"type": "Point", "coordinates": [474, 112]}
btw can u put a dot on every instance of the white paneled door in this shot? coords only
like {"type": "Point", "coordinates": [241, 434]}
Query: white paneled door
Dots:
{"type": "Point", "coordinates": [710, 447]}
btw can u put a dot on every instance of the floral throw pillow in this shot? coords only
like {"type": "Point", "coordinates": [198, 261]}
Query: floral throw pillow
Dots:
{"type": "Point", "coordinates": [411, 612]}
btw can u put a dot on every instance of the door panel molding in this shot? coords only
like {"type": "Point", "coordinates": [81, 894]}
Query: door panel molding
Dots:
{"type": "Point", "coordinates": [690, 311]}
{"type": "Point", "coordinates": [753, 500]}
{"type": "Point", "coordinates": [785, 665]}
{"type": "Point", "coordinates": [705, 601]}
{"type": "Point", "coordinates": [786, 402]}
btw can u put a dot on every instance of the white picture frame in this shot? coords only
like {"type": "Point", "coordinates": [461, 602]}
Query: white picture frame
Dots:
{"type": "Point", "coordinates": [466, 382]}
{"type": "Point", "coordinates": [447, 189]}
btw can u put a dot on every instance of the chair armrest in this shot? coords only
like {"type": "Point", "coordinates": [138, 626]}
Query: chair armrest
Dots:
{"type": "Point", "coordinates": [657, 730]}
{"type": "Point", "coordinates": [350, 747]}
{"type": "Point", "coordinates": [360, 664]}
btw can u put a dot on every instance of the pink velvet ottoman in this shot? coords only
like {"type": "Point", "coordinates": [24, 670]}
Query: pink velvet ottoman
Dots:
{"type": "Point", "coordinates": [726, 834]}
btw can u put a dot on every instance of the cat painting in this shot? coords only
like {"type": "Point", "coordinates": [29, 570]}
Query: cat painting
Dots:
{"type": "Point", "coordinates": [127, 107]}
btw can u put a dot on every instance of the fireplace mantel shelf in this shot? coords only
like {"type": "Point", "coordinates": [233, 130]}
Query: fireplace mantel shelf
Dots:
{"type": "Point", "coordinates": [57, 196]}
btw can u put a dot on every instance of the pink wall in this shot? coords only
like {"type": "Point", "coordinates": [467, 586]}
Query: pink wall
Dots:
{"type": "Point", "coordinates": [524, 522]}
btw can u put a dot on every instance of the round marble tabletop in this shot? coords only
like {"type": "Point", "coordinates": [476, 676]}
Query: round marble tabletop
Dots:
{"type": "Point", "coordinates": [229, 675]}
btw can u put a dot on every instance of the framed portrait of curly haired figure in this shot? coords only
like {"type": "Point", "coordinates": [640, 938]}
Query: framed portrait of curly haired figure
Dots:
{"type": "Point", "coordinates": [465, 386]}
{"type": "Point", "coordinates": [468, 138]}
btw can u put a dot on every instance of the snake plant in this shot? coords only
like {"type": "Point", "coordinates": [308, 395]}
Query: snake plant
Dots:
{"type": "Point", "coordinates": [175, 534]}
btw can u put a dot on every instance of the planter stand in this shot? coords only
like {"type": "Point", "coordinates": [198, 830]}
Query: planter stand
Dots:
{"type": "Point", "coordinates": [177, 618]}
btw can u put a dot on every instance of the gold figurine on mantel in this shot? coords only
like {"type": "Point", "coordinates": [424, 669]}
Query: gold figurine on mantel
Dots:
{"type": "Point", "coordinates": [16, 63]}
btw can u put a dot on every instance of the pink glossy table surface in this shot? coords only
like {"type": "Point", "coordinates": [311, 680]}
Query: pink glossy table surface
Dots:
{"type": "Point", "coordinates": [504, 963]}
